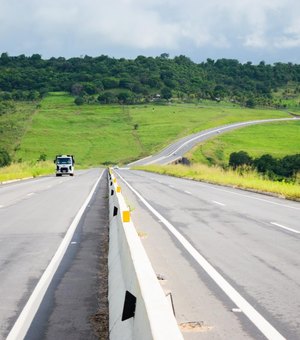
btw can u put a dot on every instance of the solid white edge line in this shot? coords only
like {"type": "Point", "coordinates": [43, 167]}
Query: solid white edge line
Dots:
{"type": "Point", "coordinates": [142, 159]}
{"type": "Point", "coordinates": [257, 319]}
{"type": "Point", "coordinates": [286, 228]}
{"type": "Point", "coordinates": [219, 203]}
{"type": "Point", "coordinates": [25, 318]}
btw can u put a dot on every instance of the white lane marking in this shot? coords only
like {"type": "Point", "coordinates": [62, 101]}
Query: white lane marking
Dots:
{"type": "Point", "coordinates": [243, 195]}
{"type": "Point", "coordinates": [258, 320]}
{"type": "Point", "coordinates": [1, 206]}
{"type": "Point", "coordinates": [73, 242]}
{"type": "Point", "coordinates": [188, 192]}
{"type": "Point", "coordinates": [171, 186]}
{"type": "Point", "coordinates": [139, 160]}
{"type": "Point", "coordinates": [219, 203]}
{"type": "Point", "coordinates": [236, 310]}
{"type": "Point", "coordinates": [30, 194]}
{"type": "Point", "coordinates": [286, 228]}
{"type": "Point", "coordinates": [24, 320]}
{"type": "Point", "coordinates": [211, 186]}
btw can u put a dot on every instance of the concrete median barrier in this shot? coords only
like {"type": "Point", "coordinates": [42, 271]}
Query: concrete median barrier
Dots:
{"type": "Point", "coordinates": [138, 307]}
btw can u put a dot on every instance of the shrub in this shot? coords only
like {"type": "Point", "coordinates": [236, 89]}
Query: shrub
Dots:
{"type": "Point", "coordinates": [79, 100]}
{"type": "Point", "coordinates": [238, 159]}
{"type": "Point", "coordinates": [4, 158]}
{"type": "Point", "coordinates": [42, 158]}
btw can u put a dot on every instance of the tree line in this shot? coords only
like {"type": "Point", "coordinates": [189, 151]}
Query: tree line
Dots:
{"type": "Point", "coordinates": [108, 80]}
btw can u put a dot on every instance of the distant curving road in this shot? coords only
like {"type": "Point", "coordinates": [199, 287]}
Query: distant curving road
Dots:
{"type": "Point", "coordinates": [177, 150]}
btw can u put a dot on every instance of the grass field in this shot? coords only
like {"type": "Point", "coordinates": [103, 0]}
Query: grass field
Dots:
{"type": "Point", "coordinates": [108, 134]}
{"type": "Point", "coordinates": [14, 124]}
{"type": "Point", "coordinates": [277, 139]}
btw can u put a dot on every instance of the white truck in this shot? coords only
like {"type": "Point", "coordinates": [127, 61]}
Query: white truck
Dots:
{"type": "Point", "coordinates": [64, 165]}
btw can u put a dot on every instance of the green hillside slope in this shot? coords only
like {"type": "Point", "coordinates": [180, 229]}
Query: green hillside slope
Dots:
{"type": "Point", "coordinates": [276, 139]}
{"type": "Point", "coordinates": [108, 134]}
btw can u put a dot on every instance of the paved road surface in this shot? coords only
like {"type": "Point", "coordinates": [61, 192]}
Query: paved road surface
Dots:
{"type": "Point", "coordinates": [251, 240]}
{"type": "Point", "coordinates": [34, 218]}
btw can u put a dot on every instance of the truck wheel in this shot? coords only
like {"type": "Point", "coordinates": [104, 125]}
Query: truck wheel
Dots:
{"type": "Point", "coordinates": [71, 174]}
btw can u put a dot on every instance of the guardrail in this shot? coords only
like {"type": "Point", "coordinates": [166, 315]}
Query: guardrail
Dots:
{"type": "Point", "coordinates": [138, 307]}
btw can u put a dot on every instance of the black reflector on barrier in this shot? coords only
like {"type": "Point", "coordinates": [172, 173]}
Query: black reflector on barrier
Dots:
{"type": "Point", "coordinates": [129, 306]}
{"type": "Point", "coordinates": [110, 184]}
{"type": "Point", "coordinates": [115, 211]}
{"type": "Point", "coordinates": [111, 192]}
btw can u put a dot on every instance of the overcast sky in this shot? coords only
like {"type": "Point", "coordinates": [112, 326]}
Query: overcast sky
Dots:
{"type": "Point", "coordinates": [247, 30]}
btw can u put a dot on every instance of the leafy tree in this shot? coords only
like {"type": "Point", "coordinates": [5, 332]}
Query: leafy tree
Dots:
{"type": "Point", "coordinates": [289, 165]}
{"type": "Point", "coordinates": [77, 89]}
{"type": "Point", "coordinates": [250, 103]}
{"type": "Point", "coordinates": [110, 83]}
{"type": "Point", "coordinates": [265, 163]}
{"type": "Point", "coordinates": [124, 97]}
{"type": "Point", "coordinates": [107, 98]}
{"type": "Point", "coordinates": [237, 159]}
{"type": "Point", "coordinates": [166, 93]}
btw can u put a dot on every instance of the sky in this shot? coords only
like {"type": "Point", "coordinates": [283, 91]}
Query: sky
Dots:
{"type": "Point", "coordinates": [246, 30]}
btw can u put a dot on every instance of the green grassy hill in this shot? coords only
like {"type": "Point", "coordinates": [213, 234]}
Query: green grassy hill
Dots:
{"type": "Point", "coordinates": [14, 123]}
{"type": "Point", "coordinates": [108, 134]}
{"type": "Point", "coordinates": [277, 139]}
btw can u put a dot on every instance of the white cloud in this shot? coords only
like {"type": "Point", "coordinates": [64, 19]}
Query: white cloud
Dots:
{"type": "Point", "coordinates": [290, 37]}
{"type": "Point", "coordinates": [75, 27]}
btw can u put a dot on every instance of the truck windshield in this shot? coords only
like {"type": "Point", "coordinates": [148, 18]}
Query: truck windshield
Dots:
{"type": "Point", "coordinates": [63, 160]}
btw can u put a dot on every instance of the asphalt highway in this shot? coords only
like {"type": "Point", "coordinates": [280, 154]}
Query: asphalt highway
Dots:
{"type": "Point", "coordinates": [35, 218]}
{"type": "Point", "coordinates": [229, 257]}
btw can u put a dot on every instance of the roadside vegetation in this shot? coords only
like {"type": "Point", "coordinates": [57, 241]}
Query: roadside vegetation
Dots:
{"type": "Point", "coordinates": [25, 170]}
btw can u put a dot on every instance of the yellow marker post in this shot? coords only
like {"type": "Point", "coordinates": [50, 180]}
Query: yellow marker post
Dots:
{"type": "Point", "coordinates": [126, 216]}
{"type": "Point", "coordinates": [115, 180]}
{"type": "Point", "coordinates": [118, 189]}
